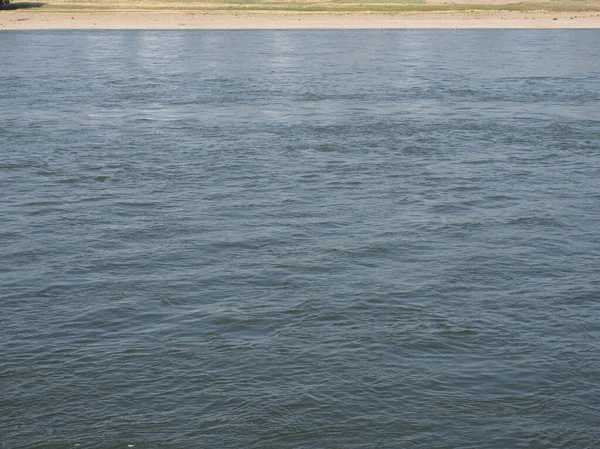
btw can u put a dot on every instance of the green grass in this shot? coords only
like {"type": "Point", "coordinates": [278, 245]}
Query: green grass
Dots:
{"type": "Point", "coordinates": [308, 6]}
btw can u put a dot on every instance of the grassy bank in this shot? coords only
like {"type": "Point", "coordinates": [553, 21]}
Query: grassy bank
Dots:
{"type": "Point", "coordinates": [295, 6]}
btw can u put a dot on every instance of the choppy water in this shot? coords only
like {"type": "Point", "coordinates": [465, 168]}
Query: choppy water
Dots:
{"type": "Point", "coordinates": [300, 239]}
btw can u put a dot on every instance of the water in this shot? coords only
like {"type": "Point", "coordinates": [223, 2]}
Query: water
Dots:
{"type": "Point", "coordinates": [300, 239]}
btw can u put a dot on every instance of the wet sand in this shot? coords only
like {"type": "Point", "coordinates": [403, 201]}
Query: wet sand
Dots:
{"type": "Point", "coordinates": [25, 20]}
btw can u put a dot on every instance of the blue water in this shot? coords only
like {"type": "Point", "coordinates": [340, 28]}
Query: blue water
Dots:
{"type": "Point", "coordinates": [300, 239]}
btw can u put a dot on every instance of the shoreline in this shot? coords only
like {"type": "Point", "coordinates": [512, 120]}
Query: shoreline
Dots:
{"type": "Point", "coordinates": [26, 20]}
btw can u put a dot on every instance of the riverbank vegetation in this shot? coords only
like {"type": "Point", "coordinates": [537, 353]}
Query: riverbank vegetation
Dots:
{"type": "Point", "coordinates": [313, 6]}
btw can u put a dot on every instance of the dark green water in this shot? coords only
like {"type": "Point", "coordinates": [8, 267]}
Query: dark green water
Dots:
{"type": "Point", "coordinates": [300, 239]}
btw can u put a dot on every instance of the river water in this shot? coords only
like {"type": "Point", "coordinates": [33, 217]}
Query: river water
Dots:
{"type": "Point", "coordinates": [300, 239]}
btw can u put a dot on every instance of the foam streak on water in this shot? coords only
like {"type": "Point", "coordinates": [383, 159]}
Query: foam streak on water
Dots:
{"type": "Point", "coordinates": [299, 239]}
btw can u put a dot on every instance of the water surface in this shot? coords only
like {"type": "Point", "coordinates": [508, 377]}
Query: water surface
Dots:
{"type": "Point", "coordinates": [299, 239]}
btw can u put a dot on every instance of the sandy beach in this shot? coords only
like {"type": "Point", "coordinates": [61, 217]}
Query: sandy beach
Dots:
{"type": "Point", "coordinates": [26, 20]}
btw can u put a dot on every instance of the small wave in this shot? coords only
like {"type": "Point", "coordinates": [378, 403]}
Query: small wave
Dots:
{"type": "Point", "coordinates": [138, 203]}
{"type": "Point", "coordinates": [14, 166]}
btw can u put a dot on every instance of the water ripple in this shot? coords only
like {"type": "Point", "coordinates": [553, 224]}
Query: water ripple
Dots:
{"type": "Point", "coordinates": [299, 239]}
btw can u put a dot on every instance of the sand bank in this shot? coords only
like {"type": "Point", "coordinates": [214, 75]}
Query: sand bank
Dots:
{"type": "Point", "coordinates": [24, 20]}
